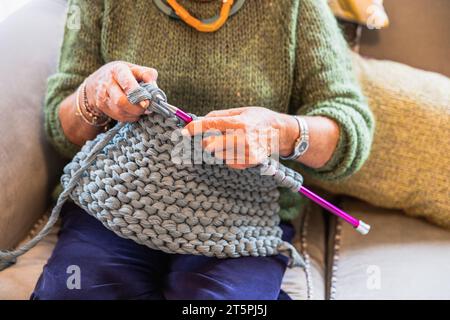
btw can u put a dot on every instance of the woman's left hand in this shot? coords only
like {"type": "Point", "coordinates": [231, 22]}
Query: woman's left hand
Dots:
{"type": "Point", "coordinates": [244, 137]}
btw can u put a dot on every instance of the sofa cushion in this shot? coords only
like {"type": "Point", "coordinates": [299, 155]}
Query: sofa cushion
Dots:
{"type": "Point", "coordinates": [29, 167]}
{"type": "Point", "coordinates": [18, 281]}
{"type": "Point", "coordinates": [408, 167]}
{"type": "Point", "coordinates": [401, 257]}
{"type": "Point", "coordinates": [310, 240]}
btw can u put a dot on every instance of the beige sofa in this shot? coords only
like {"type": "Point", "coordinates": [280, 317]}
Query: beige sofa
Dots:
{"type": "Point", "coordinates": [402, 258]}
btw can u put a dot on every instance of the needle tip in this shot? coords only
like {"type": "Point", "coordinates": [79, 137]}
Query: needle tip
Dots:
{"type": "Point", "coordinates": [363, 228]}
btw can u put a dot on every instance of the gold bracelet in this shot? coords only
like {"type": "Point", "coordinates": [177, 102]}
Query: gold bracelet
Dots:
{"type": "Point", "coordinates": [92, 119]}
{"type": "Point", "coordinates": [91, 111]}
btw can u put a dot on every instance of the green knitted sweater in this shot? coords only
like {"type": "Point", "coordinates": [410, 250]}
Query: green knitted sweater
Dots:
{"type": "Point", "coordinates": [286, 55]}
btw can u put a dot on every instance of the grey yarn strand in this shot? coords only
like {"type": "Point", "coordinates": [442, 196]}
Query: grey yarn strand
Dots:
{"type": "Point", "coordinates": [126, 179]}
{"type": "Point", "coordinates": [8, 258]}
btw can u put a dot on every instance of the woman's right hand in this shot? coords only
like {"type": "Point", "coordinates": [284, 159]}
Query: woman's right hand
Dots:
{"type": "Point", "coordinates": [106, 92]}
{"type": "Point", "coordinates": [108, 87]}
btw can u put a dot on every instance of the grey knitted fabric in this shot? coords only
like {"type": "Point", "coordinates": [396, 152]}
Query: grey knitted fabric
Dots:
{"type": "Point", "coordinates": [127, 179]}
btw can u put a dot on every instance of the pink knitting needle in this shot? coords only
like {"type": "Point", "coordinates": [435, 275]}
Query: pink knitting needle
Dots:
{"type": "Point", "coordinates": [359, 225]}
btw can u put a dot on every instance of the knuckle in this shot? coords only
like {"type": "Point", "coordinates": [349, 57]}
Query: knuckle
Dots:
{"type": "Point", "coordinates": [148, 74]}
{"type": "Point", "coordinates": [212, 113]}
{"type": "Point", "coordinates": [99, 99]}
{"type": "Point", "coordinates": [117, 102]}
{"type": "Point", "coordinates": [236, 122]}
{"type": "Point", "coordinates": [115, 67]}
{"type": "Point", "coordinates": [119, 69]}
{"type": "Point", "coordinates": [154, 72]}
{"type": "Point", "coordinates": [115, 99]}
{"type": "Point", "coordinates": [119, 63]}
{"type": "Point", "coordinates": [126, 86]}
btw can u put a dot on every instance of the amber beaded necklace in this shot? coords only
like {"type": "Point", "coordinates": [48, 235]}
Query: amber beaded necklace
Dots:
{"type": "Point", "coordinates": [173, 9]}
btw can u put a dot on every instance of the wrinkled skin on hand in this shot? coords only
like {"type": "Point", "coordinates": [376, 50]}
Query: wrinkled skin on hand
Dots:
{"type": "Point", "coordinates": [244, 137]}
{"type": "Point", "coordinates": [107, 89]}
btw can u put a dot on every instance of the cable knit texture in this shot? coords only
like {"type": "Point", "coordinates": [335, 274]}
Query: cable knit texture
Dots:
{"type": "Point", "coordinates": [286, 55]}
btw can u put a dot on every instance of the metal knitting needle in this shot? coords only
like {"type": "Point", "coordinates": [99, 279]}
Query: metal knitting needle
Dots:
{"type": "Point", "coordinates": [359, 225]}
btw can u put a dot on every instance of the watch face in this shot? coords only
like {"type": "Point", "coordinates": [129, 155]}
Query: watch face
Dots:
{"type": "Point", "coordinates": [302, 147]}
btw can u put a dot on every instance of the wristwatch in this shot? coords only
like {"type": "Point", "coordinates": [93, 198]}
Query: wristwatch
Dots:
{"type": "Point", "coordinates": [302, 143]}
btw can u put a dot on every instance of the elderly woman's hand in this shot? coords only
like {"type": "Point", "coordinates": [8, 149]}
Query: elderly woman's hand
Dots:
{"type": "Point", "coordinates": [107, 89]}
{"type": "Point", "coordinates": [244, 137]}
{"type": "Point", "coordinates": [106, 93]}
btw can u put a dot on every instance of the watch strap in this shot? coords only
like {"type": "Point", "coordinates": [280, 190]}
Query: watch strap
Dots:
{"type": "Point", "coordinates": [302, 143]}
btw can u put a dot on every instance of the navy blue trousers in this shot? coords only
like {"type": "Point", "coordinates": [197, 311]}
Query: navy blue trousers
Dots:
{"type": "Point", "coordinates": [110, 267]}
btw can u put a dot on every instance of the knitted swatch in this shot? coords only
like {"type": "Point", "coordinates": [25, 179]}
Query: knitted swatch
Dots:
{"type": "Point", "coordinates": [126, 179]}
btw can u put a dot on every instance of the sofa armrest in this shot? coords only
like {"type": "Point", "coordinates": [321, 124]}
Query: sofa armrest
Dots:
{"type": "Point", "coordinates": [29, 43]}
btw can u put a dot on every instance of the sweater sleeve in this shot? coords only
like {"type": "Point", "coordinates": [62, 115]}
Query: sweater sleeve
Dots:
{"type": "Point", "coordinates": [324, 85]}
{"type": "Point", "coordinates": [79, 56]}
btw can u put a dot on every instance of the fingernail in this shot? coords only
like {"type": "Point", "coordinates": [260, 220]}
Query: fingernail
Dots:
{"type": "Point", "coordinates": [148, 111]}
{"type": "Point", "coordinates": [144, 104]}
